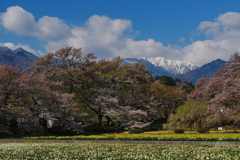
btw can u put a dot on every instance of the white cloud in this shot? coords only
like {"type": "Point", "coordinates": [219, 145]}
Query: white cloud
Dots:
{"type": "Point", "coordinates": [105, 36]}
{"type": "Point", "coordinates": [100, 35]}
{"type": "Point", "coordinates": [210, 28]}
{"type": "Point", "coordinates": [18, 20]}
{"type": "Point", "coordinates": [181, 40]}
{"type": "Point", "coordinates": [109, 38]}
{"type": "Point", "coordinates": [225, 30]}
{"type": "Point", "coordinates": [100, 31]}
{"type": "Point", "coordinates": [149, 48]}
{"type": "Point", "coordinates": [21, 22]}
{"type": "Point", "coordinates": [224, 26]}
{"type": "Point", "coordinates": [40, 53]}
{"type": "Point", "coordinates": [229, 20]}
{"type": "Point", "coordinates": [107, 31]}
{"type": "Point", "coordinates": [191, 39]}
{"type": "Point", "coordinates": [202, 52]}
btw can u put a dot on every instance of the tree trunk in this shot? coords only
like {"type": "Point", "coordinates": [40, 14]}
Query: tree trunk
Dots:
{"type": "Point", "coordinates": [109, 120]}
{"type": "Point", "coordinates": [165, 115]}
{"type": "Point", "coordinates": [5, 99]}
{"type": "Point", "coordinates": [234, 128]}
{"type": "Point", "coordinates": [100, 120]}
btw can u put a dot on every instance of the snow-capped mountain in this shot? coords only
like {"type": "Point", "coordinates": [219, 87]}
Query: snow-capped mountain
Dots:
{"type": "Point", "coordinates": [4, 48]}
{"type": "Point", "coordinates": [206, 71]}
{"type": "Point", "coordinates": [19, 57]}
{"type": "Point", "coordinates": [20, 51]}
{"type": "Point", "coordinates": [163, 66]}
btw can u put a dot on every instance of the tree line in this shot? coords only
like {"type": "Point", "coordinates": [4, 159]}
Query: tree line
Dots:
{"type": "Point", "coordinates": [73, 90]}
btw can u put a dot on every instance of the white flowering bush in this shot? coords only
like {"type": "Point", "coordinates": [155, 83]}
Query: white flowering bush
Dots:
{"type": "Point", "coordinates": [115, 151]}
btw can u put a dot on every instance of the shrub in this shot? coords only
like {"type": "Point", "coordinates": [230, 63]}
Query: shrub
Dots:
{"type": "Point", "coordinates": [60, 131]}
{"type": "Point", "coordinates": [157, 125]}
{"type": "Point", "coordinates": [98, 129]}
{"type": "Point", "coordinates": [57, 130]}
{"type": "Point", "coordinates": [13, 123]}
{"type": "Point", "coordinates": [178, 131]}
{"type": "Point", "coordinates": [192, 114]}
{"type": "Point", "coordinates": [203, 130]}
{"type": "Point", "coordinates": [136, 131]}
{"type": "Point", "coordinates": [109, 129]}
{"type": "Point", "coordinates": [14, 130]}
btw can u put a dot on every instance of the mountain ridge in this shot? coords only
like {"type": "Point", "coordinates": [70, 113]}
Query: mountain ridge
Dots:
{"type": "Point", "coordinates": [206, 71]}
{"type": "Point", "coordinates": [183, 70]}
{"type": "Point", "coordinates": [20, 51]}
{"type": "Point", "coordinates": [163, 66]}
{"type": "Point", "coordinates": [9, 58]}
{"type": "Point", "coordinates": [19, 57]}
{"type": "Point", "coordinates": [3, 48]}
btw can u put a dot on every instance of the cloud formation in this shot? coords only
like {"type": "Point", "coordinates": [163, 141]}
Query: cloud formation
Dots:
{"type": "Point", "coordinates": [225, 31]}
{"type": "Point", "coordinates": [109, 38]}
{"type": "Point", "coordinates": [21, 22]}
{"type": "Point", "coordinates": [181, 40]}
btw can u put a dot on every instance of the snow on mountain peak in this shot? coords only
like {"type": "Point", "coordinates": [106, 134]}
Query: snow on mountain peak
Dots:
{"type": "Point", "coordinates": [3, 48]}
{"type": "Point", "coordinates": [19, 49]}
{"type": "Point", "coordinates": [172, 66]}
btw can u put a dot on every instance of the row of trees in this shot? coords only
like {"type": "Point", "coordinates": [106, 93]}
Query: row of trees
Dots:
{"type": "Point", "coordinates": [169, 81]}
{"type": "Point", "coordinates": [74, 89]}
{"type": "Point", "coordinates": [68, 85]}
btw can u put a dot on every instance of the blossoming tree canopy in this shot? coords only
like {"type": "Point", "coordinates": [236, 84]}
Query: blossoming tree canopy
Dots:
{"type": "Point", "coordinates": [222, 93]}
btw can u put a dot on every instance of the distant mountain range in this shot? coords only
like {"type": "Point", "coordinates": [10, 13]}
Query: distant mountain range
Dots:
{"type": "Point", "coordinates": [162, 66]}
{"type": "Point", "coordinates": [21, 52]}
{"type": "Point", "coordinates": [4, 48]}
{"type": "Point", "coordinates": [183, 70]}
{"type": "Point", "coordinates": [206, 71]}
{"type": "Point", "coordinates": [16, 57]}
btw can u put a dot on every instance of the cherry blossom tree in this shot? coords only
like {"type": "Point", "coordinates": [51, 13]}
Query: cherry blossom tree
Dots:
{"type": "Point", "coordinates": [66, 65]}
{"type": "Point", "coordinates": [222, 93]}
{"type": "Point", "coordinates": [119, 91]}
{"type": "Point", "coordinates": [106, 88]}
{"type": "Point", "coordinates": [9, 82]}
{"type": "Point", "coordinates": [28, 96]}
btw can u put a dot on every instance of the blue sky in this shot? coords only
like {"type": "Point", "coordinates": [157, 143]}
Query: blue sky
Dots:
{"type": "Point", "coordinates": [194, 31]}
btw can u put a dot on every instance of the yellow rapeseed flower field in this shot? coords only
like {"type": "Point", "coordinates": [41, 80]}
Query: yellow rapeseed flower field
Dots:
{"type": "Point", "coordinates": [156, 136]}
